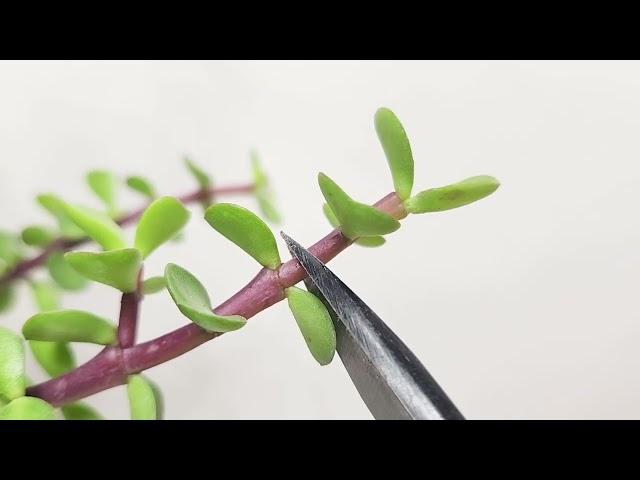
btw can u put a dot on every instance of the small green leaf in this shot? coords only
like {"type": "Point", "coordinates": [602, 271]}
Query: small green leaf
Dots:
{"type": "Point", "coordinates": [69, 326]}
{"type": "Point", "coordinates": [142, 400]}
{"type": "Point", "coordinates": [104, 185]}
{"type": "Point", "coordinates": [201, 177]}
{"type": "Point", "coordinates": [63, 273]}
{"type": "Point", "coordinates": [397, 150]}
{"type": "Point", "coordinates": [268, 209]}
{"type": "Point", "coordinates": [7, 297]}
{"type": "Point", "coordinates": [141, 185]}
{"type": "Point", "coordinates": [356, 219]}
{"type": "Point", "coordinates": [12, 379]}
{"type": "Point", "coordinates": [116, 268]}
{"type": "Point", "coordinates": [373, 241]}
{"type": "Point", "coordinates": [314, 322]}
{"type": "Point", "coordinates": [193, 301]}
{"type": "Point", "coordinates": [27, 408]}
{"type": "Point", "coordinates": [46, 295]}
{"type": "Point", "coordinates": [80, 411]}
{"type": "Point", "coordinates": [98, 226]}
{"type": "Point", "coordinates": [246, 230]}
{"type": "Point", "coordinates": [56, 358]}
{"type": "Point", "coordinates": [56, 207]}
{"type": "Point", "coordinates": [263, 191]}
{"type": "Point", "coordinates": [153, 285]}
{"type": "Point", "coordinates": [10, 248]}
{"type": "Point", "coordinates": [159, 398]}
{"type": "Point", "coordinates": [37, 236]}
{"type": "Point", "coordinates": [163, 219]}
{"type": "Point", "coordinates": [452, 196]}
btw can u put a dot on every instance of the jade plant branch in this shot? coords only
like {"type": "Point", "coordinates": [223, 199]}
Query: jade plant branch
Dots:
{"type": "Point", "coordinates": [114, 364]}
{"type": "Point", "coordinates": [62, 244]}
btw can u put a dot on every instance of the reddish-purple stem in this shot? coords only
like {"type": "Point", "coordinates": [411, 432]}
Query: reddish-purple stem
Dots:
{"type": "Point", "coordinates": [128, 321]}
{"type": "Point", "coordinates": [111, 367]}
{"type": "Point", "coordinates": [63, 245]}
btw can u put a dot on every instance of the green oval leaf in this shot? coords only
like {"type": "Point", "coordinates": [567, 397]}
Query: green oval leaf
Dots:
{"type": "Point", "coordinates": [46, 295]}
{"type": "Point", "coordinates": [63, 273]}
{"type": "Point", "coordinates": [56, 207]}
{"type": "Point", "coordinates": [356, 219]}
{"type": "Point", "coordinates": [314, 322]}
{"type": "Point", "coordinates": [116, 268]}
{"type": "Point", "coordinates": [263, 191]}
{"type": "Point", "coordinates": [159, 398]}
{"type": "Point", "coordinates": [452, 196]}
{"type": "Point", "coordinates": [104, 185]}
{"type": "Point", "coordinates": [201, 177]}
{"type": "Point", "coordinates": [98, 226]}
{"type": "Point", "coordinates": [27, 408]}
{"type": "Point", "coordinates": [55, 358]}
{"type": "Point", "coordinates": [397, 150]}
{"type": "Point", "coordinates": [153, 285]}
{"type": "Point", "coordinates": [267, 207]}
{"type": "Point", "coordinates": [141, 185]}
{"type": "Point", "coordinates": [246, 230]}
{"type": "Point", "coordinates": [10, 248]}
{"type": "Point", "coordinates": [69, 326]}
{"type": "Point", "coordinates": [193, 301]}
{"type": "Point", "coordinates": [142, 400]}
{"type": "Point", "coordinates": [7, 297]}
{"type": "Point", "coordinates": [80, 411]}
{"type": "Point", "coordinates": [373, 241]}
{"type": "Point", "coordinates": [37, 236]}
{"type": "Point", "coordinates": [161, 221]}
{"type": "Point", "coordinates": [12, 379]}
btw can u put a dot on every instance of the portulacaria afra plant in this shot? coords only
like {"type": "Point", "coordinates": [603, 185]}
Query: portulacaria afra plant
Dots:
{"type": "Point", "coordinates": [51, 332]}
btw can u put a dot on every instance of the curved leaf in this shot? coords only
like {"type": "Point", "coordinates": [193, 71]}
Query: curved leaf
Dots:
{"type": "Point", "coordinates": [263, 191]}
{"type": "Point", "coordinates": [203, 180]}
{"type": "Point", "coordinates": [63, 273]}
{"type": "Point", "coordinates": [193, 301]}
{"type": "Point", "coordinates": [452, 196]}
{"type": "Point", "coordinates": [314, 322]}
{"type": "Point", "coordinates": [46, 295]}
{"type": "Point", "coordinates": [98, 226]}
{"type": "Point", "coordinates": [12, 379]}
{"type": "Point", "coordinates": [142, 400]}
{"type": "Point", "coordinates": [56, 207]}
{"type": "Point", "coordinates": [69, 326]}
{"type": "Point", "coordinates": [153, 285]}
{"type": "Point", "coordinates": [161, 221]}
{"type": "Point", "coordinates": [7, 297]}
{"type": "Point", "coordinates": [373, 241]}
{"type": "Point", "coordinates": [104, 185]}
{"type": "Point", "coordinates": [141, 185]}
{"type": "Point", "coordinates": [80, 411]}
{"type": "Point", "coordinates": [246, 230]}
{"type": "Point", "coordinates": [116, 268]}
{"type": "Point", "coordinates": [37, 236]}
{"type": "Point", "coordinates": [56, 358]}
{"type": "Point", "coordinates": [356, 219]}
{"type": "Point", "coordinates": [27, 408]}
{"type": "Point", "coordinates": [397, 150]}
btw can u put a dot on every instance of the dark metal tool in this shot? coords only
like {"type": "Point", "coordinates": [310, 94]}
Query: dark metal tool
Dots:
{"type": "Point", "coordinates": [389, 377]}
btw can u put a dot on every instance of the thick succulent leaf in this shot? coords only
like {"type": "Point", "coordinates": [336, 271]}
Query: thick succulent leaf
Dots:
{"type": "Point", "coordinates": [203, 180]}
{"type": "Point", "coordinates": [56, 358]}
{"type": "Point", "coordinates": [356, 219]}
{"type": "Point", "coordinates": [56, 207]}
{"type": "Point", "coordinates": [372, 241]}
{"type": "Point", "coordinates": [27, 408]}
{"type": "Point", "coordinates": [452, 196]}
{"type": "Point", "coordinates": [193, 301]}
{"type": "Point", "coordinates": [263, 192]}
{"type": "Point", "coordinates": [69, 326]}
{"type": "Point", "coordinates": [37, 236]}
{"type": "Point", "coordinates": [159, 398]}
{"type": "Point", "coordinates": [80, 411]}
{"type": "Point", "coordinates": [267, 207]}
{"type": "Point", "coordinates": [116, 268]}
{"type": "Point", "coordinates": [12, 379]}
{"type": "Point", "coordinates": [153, 285]}
{"type": "Point", "coordinates": [314, 322]}
{"type": "Point", "coordinates": [161, 221]}
{"type": "Point", "coordinates": [45, 295]}
{"type": "Point", "coordinates": [10, 248]}
{"type": "Point", "coordinates": [397, 150]}
{"type": "Point", "coordinates": [142, 399]}
{"type": "Point", "coordinates": [246, 230]}
{"type": "Point", "coordinates": [7, 297]}
{"type": "Point", "coordinates": [104, 185]}
{"type": "Point", "coordinates": [98, 226]}
{"type": "Point", "coordinates": [260, 179]}
{"type": "Point", "coordinates": [142, 186]}
{"type": "Point", "coordinates": [63, 273]}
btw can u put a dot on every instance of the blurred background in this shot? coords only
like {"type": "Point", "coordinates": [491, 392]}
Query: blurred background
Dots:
{"type": "Point", "coordinates": [523, 305]}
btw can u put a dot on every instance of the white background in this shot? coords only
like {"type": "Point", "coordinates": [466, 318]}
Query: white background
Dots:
{"type": "Point", "coordinates": [523, 305]}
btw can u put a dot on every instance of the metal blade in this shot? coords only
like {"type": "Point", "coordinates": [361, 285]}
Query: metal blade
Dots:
{"type": "Point", "coordinates": [390, 379]}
